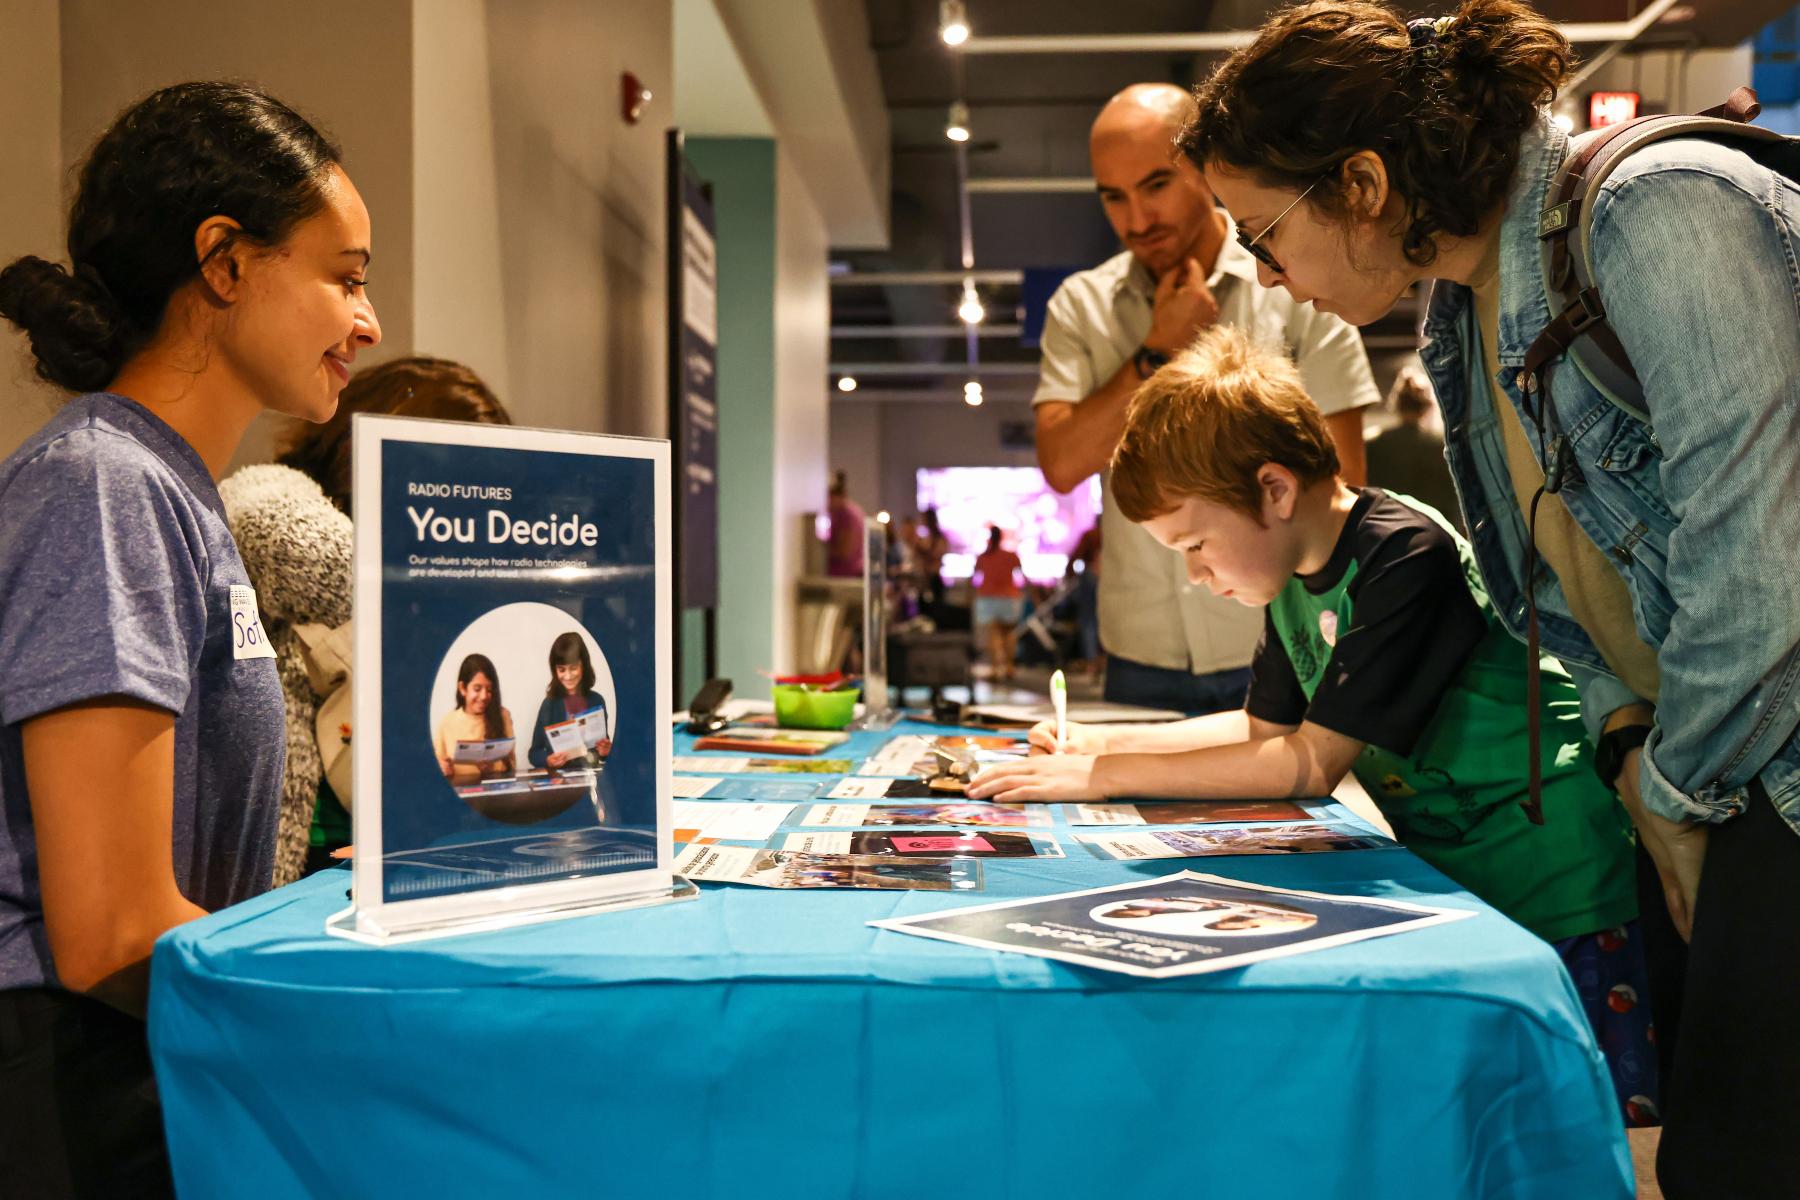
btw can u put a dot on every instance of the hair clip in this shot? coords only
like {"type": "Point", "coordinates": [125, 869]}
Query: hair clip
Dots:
{"type": "Point", "coordinates": [1424, 33]}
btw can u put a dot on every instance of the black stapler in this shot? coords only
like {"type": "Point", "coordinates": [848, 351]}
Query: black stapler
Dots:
{"type": "Point", "coordinates": [704, 716]}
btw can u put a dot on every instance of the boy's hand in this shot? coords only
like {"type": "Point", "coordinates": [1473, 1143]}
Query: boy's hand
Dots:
{"type": "Point", "coordinates": [1080, 739]}
{"type": "Point", "coordinates": [1184, 306]}
{"type": "Point", "coordinates": [1041, 777]}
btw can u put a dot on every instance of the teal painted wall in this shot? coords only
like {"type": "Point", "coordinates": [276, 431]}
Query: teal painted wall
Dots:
{"type": "Point", "coordinates": [742, 172]}
{"type": "Point", "coordinates": [693, 656]}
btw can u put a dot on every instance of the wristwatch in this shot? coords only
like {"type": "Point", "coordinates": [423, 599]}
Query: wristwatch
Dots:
{"type": "Point", "coordinates": [1148, 362]}
{"type": "Point", "coordinates": [1610, 751]}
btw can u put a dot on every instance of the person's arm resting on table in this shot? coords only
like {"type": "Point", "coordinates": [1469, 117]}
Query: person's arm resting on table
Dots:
{"type": "Point", "coordinates": [1412, 626]}
{"type": "Point", "coordinates": [101, 780]}
{"type": "Point", "coordinates": [1276, 762]}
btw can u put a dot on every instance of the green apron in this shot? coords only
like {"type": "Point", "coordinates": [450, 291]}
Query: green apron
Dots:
{"type": "Point", "coordinates": [1455, 801]}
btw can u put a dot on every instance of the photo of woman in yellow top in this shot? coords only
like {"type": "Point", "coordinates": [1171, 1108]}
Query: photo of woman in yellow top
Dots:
{"type": "Point", "coordinates": [477, 717]}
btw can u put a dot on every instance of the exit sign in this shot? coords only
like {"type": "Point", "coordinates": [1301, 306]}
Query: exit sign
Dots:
{"type": "Point", "coordinates": [1611, 108]}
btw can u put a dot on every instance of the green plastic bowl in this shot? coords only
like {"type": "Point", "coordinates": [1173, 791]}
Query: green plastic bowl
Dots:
{"type": "Point", "coordinates": [803, 708]}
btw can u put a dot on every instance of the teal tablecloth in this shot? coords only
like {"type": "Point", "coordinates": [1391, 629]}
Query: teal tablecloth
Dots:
{"type": "Point", "coordinates": [769, 1044]}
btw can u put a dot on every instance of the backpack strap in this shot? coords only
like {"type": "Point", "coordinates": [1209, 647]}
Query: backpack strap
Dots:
{"type": "Point", "coordinates": [1565, 231]}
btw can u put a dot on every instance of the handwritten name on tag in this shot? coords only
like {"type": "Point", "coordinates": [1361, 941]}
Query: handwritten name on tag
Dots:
{"type": "Point", "coordinates": [248, 640]}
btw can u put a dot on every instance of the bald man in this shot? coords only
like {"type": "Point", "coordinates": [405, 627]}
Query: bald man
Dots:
{"type": "Point", "coordinates": [1168, 643]}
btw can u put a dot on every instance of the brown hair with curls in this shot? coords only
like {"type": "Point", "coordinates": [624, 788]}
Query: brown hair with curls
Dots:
{"type": "Point", "coordinates": [1208, 421]}
{"type": "Point", "coordinates": [1325, 80]}
{"type": "Point", "coordinates": [406, 387]}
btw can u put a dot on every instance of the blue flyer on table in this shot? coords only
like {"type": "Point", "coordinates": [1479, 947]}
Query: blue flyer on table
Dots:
{"type": "Point", "coordinates": [512, 670]}
{"type": "Point", "coordinates": [1181, 924]}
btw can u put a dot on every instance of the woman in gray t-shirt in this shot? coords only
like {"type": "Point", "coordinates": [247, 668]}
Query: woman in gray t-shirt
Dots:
{"type": "Point", "coordinates": [141, 730]}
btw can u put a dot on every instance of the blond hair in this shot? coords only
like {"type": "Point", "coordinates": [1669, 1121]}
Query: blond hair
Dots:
{"type": "Point", "coordinates": [1208, 421]}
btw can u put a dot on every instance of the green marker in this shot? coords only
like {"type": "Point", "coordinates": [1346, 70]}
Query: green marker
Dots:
{"type": "Point", "coordinates": [1059, 698]}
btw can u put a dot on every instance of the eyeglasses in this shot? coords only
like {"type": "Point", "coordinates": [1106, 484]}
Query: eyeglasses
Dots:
{"type": "Point", "coordinates": [1261, 253]}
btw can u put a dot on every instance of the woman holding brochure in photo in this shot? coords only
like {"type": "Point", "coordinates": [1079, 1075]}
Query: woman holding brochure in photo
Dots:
{"type": "Point", "coordinates": [217, 259]}
{"type": "Point", "coordinates": [478, 717]}
{"type": "Point", "coordinates": [570, 695]}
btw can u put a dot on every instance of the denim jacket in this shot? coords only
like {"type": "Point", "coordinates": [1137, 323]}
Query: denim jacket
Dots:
{"type": "Point", "coordinates": [1697, 256]}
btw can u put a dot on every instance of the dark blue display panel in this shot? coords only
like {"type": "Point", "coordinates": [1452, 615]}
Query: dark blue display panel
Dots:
{"type": "Point", "coordinates": [497, 565]}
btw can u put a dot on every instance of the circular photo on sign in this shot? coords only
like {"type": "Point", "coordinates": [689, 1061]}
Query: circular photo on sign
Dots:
{"type": "Point", "coordinates": [1199, 917]}
{"type": "Point", "coordinates": [522, 713]}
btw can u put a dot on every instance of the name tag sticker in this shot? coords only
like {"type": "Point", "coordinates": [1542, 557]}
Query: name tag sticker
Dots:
{"type": "Point", "coordinates": [247, 637]}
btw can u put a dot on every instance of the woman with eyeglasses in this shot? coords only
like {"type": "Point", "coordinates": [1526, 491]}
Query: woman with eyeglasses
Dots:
{"type": "Point", "coordinates": [1362, 155]}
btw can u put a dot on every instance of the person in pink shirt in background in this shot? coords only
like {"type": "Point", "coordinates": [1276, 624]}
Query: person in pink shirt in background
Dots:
{"type": "Point", "coordinates": [999, 603]}
{"type": "Point", "coordinates": [844, 546]}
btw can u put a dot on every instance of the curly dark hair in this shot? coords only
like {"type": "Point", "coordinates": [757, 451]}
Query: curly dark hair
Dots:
{"type": "Point", "coordinates": [416, 386]}
{"type": "Point", "coordinates": [171, 161]}
{"type": "Point", "coordinates": [1446, 113]}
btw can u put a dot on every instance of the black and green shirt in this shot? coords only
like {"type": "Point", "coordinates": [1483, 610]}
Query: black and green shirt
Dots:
{"type": "Point", "coordinates": [1394, 643]}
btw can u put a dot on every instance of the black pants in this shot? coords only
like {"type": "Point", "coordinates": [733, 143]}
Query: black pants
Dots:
{"type": "Point", "coordinates": [79, 1114]}
{"type": "Point", "coordinates": [1665, 955]}
{"type": "Point", "coordinates": [1727, 1124]}
{"type": "Point", "coordinates": [1129, 682]}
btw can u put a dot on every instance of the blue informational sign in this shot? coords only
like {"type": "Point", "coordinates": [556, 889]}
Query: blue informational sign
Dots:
{"type": "Point", "coordinates": [511, 737]}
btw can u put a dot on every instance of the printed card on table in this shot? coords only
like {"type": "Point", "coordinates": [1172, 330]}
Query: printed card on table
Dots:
{"type": "Point", "coordinates": [1185, 812]}
{"type": "Point", "coordinates": [707, 764]}
{"type": "Point", "coordinates": [1201, 843]}
{"type": "Point", "coordinates": [1002, 816]}
{"type": "Point", "coordinates": [926, 842]}
{"type": "Point", "coordinates": [1181, 924]}
{"type": "Point", "coordinates": [787, 869]}
{"type": "Point", "coordinates": [712, 820]}
{"type": "Point", "coordinates": [858, 788]}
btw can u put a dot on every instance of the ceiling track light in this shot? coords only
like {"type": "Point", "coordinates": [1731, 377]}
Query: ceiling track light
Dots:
{"type": "Point", "coordinates": [846, 383]}
{"type": "Point", "coordinates": [969, 308]}
{"type": "Point", "coordinates": [953, 22]}
{"type": "Point", "coordinates": [956, 127]}
{"type": "Point", "coordinates": [972, 393]}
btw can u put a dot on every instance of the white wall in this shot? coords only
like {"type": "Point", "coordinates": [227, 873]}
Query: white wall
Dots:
{"type": "Point", "coordinates": [518, 220]}
{"type": "Point", "coordinates": [1678, 80]}
{"type": "Point", "coordinates": [459, 279]}
{"type": "Point", "coordinates": [802, 414]}
{"type": "Point", "coordinates": [937, 433]}
{"type": "Point", "coordinates": [569, 215]}
{"type": "Point", "coordinates": [31, 201]}
{"type": "Point", "coordinates": [856, 449]}
{"type": "Point", "coordinates": [344, 64]}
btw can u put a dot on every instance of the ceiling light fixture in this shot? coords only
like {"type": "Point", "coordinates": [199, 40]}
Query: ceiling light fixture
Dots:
{"type": "Point", "coordinates": [953, 22]}
{"type": "Point", "coordinates": [972, 394]}
{"type": "Point", "coordinates": [884, 516]}
{"type": "Point", "coordinates": [970, 309]}
{"type": "Point", "coordinates": [957, 127]}
{"type": "Point", "coordinates": [846, 383]}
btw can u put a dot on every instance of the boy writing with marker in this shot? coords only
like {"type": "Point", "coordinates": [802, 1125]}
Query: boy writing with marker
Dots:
{"type": "Point", "coordinates": [1380, 655]}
